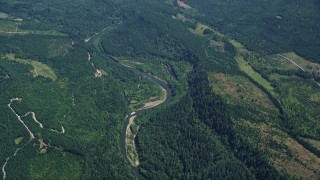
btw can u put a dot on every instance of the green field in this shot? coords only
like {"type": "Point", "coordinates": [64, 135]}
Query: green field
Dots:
{"type": "Point", "coordinates": [3, 15]}
{"type": "Point", "coordinates": [245, 67]}
{"type": "Point", "coordinates": [8, 26]}
{"type": "Point", "coordinates": [39, 69]}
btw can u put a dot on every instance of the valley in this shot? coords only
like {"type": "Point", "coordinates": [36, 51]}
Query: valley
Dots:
{"type": "Point", "coordinates": [159, 89]}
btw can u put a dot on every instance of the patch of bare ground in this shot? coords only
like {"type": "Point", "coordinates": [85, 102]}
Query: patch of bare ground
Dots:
{"type": "Point", "coordinates": [285, 153]}
{"type": "Point", "coordinates": [130, 144]}
{"type": "Point", "coordinates": [42, 146]}
{"type": "Point", "coordinates": [98, 73]}
{"type": "Point", "coordinates": [315, 97]}
{"type": "Point", "coordinates": [152, 104]}
{"type": "Point", "coordinates": [183, 4]}
{"type": "Point", "coordinates": [237, 89]}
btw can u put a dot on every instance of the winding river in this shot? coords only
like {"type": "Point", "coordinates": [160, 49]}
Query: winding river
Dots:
{"type": "Point", "coordinates": [163, 84]}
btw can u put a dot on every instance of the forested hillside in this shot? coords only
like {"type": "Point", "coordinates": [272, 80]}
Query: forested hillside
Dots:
{"type": "Point", "coordinates": [268, 27]}
{"type": "Point", "coordinates": [147, 89]}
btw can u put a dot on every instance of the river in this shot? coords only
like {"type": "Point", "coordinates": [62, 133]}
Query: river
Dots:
{"type": "Point", "coordinates": [163, 84]}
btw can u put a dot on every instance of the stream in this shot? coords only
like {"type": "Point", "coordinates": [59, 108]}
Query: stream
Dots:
{"type": "Point", "coordinates": [163, 84]}
{"type": "Point", "coordinates": [135, 170]}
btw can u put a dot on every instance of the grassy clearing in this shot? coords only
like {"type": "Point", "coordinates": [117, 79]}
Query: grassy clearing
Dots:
{"type": "Point", "coordinates": [315, 97]}
{"type": "Point", "coordinates": [12, 2]}
{"type": "Point", "coordinates": [39, 69]}
{"type": "Point", "coordinates": [181, 17]}
{"type": "Point", "coordinates": [8, 23]}
{"type": "Point", "coordinates": [216, 43]}
{"type": "Point", "coordinates": [49, 32]}
{"type": "Point", "coordinates": [285, 153]}
{"type": "Point", "coordinates": [8, 26]}
{"type": "Point", "coordinates": [26, 32]}
{"type": "Point", "coordinates": [202, 27]}
{"type": "Point", "coordinates": [18, 140]}
{"type": "Point", "coordinates": [199, 29]}
{"type": "Point", "coordinates": [245, 67]}
{"type": "Point", "coordinates": [240, 48]}
{"type": "Point", "coordinates": [4, 15]}
{"type": "Point", "coordinates": [239, 90]}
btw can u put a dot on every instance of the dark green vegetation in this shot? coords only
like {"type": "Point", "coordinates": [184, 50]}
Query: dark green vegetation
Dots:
{"type": "Point", "coordinates": [239, 110]}
{"type": "Point", "coordinates": [269, 27]}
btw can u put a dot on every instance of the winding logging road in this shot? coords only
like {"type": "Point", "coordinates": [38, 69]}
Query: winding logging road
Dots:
{"type": "Point", "coordinates": [290, 60]}
{"type": "Point", "coordinates": [31, 134]}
